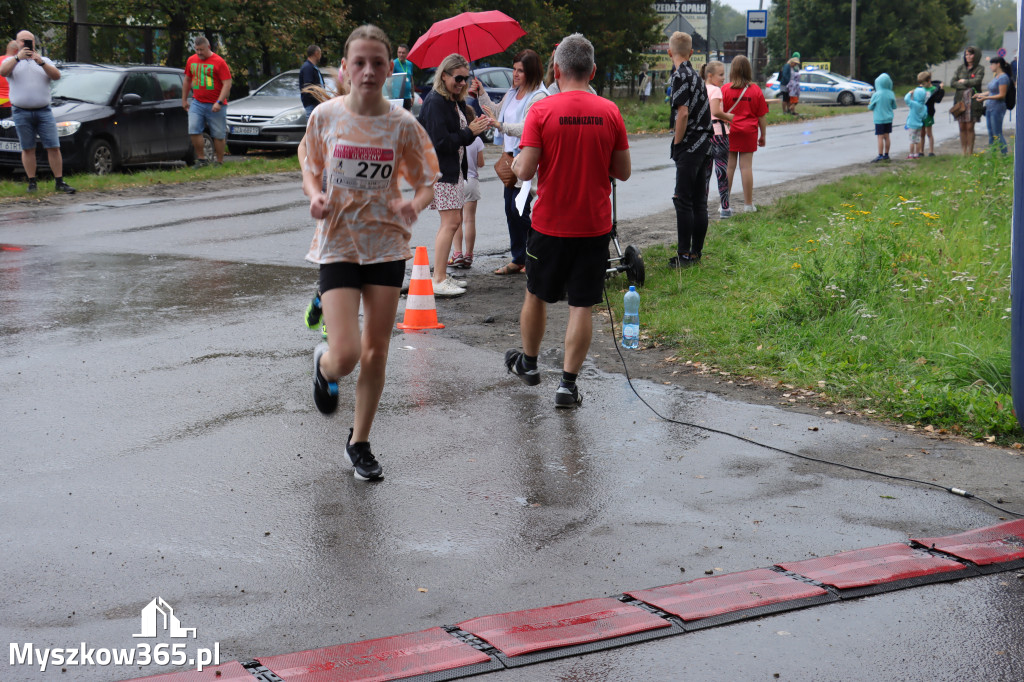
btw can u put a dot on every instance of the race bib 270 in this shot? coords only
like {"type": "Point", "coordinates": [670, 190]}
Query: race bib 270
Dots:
{"type": "Point", "coordinates": [359, 167]}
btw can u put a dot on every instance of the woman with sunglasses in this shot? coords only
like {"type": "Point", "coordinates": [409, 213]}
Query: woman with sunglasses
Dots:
{"type": "Point", "coordinates": [452, 126]}
{"type": "Point", "coordinates": [527, 89]}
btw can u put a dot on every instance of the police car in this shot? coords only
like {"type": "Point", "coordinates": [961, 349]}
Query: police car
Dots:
{"type": "Point", "coordinates": [818, 86]}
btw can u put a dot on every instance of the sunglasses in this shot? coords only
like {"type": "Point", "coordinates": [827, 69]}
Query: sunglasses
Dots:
{"type": "Point", "coordinates": [459, 79]}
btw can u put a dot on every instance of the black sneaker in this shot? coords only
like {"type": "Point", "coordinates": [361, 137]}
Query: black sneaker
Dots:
{"type": "Point", "coordinates": [568, 396]}
{"type": "Point", "coordinates": [200, 163]}
{"type": "Point", "coordinates": [62, 186]}
{"type": "Point", "coordinates": [32, 187]}
{"type": "Point", "coordinates": [325, 393]}
{"type": "Point", "coordinates": [684, 261]}
{"type": "Point", "coordinates": [514, 364]}
{"type": "Point", "coordinates": [364, 464]}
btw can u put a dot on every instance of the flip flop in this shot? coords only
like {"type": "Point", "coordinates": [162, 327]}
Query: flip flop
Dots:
{"type": "Point", "coordinates": [510, 269]}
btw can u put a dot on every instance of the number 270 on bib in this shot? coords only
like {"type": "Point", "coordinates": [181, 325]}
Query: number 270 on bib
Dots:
{"type": "Point", "coordinates": [358, 167]}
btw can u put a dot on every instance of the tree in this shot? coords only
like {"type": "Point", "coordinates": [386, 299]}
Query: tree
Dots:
{"type": "Point", "coordinates": [620, 32]}
{"type": "Point", "coordinates": [726, 24]}
{"type": "Point", "coordinates": [986, 24]}
{"type": "Point", "coordinates": [26, 15]}
{"type": "Point", "coordinates": [820, 31]}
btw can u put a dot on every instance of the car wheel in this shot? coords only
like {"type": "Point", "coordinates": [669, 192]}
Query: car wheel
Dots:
{"type": "Point", "coordinates": [101, 158]}
{"type": "Point", "coordinates": [846, 98]}
{"type": "Point", "coordinates": [237, 149]}
{"type": "Point", "coordinates": [208, 150]}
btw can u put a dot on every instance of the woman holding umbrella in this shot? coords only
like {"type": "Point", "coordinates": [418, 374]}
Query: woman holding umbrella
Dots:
{"type": "Point", "coordinates": [452, 126]}
{"type": "Point", "coordinates": [527, 88]}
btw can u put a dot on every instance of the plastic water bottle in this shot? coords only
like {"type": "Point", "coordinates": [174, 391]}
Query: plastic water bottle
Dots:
{"type": "Point", "coordinates": [631, 319]}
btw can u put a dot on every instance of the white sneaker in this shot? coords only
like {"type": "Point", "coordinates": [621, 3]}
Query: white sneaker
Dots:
{"type": "Point", "coordinates": [750, 208]}
{"type": "Point", "coordinates": [456, 282]}
{"type": "Point", "coordinates": [725, 213]}
{"type": "Point", "coordinates": [447, 289]}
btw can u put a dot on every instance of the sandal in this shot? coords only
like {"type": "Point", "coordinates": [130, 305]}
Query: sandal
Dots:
{"type": "Point", "coordinates": [510, 269]}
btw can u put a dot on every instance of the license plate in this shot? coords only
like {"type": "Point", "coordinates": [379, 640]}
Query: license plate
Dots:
{"type": "Point", "coordinates": [245, 130]}
{"type": "Point", "coordinates": [8, 146]}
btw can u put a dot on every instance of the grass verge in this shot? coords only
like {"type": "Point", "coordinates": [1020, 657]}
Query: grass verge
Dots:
{"type": "Point", "coordinates": [889, 294]}
{"type": "Point", "coordinates": [85, 182]}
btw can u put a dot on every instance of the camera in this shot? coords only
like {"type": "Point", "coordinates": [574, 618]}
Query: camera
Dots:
{"type": "Point", "coordinates": [29, 45]}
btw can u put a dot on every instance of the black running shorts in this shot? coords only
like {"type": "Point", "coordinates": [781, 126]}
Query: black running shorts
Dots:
{"type": "Point", "coordinates": [574, 265]}
{"type": "Point", "coordinates": [355, 276]}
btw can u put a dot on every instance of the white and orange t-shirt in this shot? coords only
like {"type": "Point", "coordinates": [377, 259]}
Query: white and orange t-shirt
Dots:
{"type": "Point", "coordinates": [362, 159]}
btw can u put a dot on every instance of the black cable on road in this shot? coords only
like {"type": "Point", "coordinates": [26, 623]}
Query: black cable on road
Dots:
{"type": "Point", "coordinates": [629, 380]}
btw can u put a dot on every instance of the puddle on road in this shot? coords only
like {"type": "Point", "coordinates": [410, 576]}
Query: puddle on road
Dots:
{"type": "Point", "coordinates": [129, 294]}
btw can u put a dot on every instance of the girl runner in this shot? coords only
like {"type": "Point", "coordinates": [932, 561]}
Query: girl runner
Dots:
{"type": "Point", "coordinates": [360, 146]}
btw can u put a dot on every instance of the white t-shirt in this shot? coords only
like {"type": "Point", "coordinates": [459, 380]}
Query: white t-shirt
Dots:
{"type": "Point", "coordinates": [471, 154]}
{"type": "Point", "coordinates": [30, 86]}
{"type": "Point", "coordinates": [513, 113]}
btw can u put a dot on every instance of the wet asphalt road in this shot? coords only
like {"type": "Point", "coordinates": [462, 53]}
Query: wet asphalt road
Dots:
{"type": "Point", "coordinates": [159, 440]}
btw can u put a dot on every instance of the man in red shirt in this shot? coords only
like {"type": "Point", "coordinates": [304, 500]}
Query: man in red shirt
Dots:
{"type": "Point", "coordinates": [208, 78]}
{"type": "Point", "coordinates": [5, 89]}
{"type": "Point", "coordinates": [573, 142]}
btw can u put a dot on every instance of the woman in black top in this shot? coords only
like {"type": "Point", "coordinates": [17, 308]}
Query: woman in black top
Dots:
{"type": "Point", "coordinates": [452, 126]}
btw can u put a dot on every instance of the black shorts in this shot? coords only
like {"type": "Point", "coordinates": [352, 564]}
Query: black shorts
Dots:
{"type": "Point", "coordinates": [354, 275]}
{"type": "Point", "coordinates": [574, 265]}
{"type": "Point", "coordinates": [785, 94]}
{"type": "Point", "coordinates": [883, 128]}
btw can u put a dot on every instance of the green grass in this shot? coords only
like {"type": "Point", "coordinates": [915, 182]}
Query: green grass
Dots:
{"type": "Point", "coordinates": [652, 117]}
{"type": "Point", "coordinates": [142, 178]}
{"type": "Point", "coordinates": [886, 293]}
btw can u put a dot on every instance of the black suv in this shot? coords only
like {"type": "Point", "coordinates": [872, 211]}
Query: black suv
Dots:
{"type": "Point", "coordinates": [109, 116]}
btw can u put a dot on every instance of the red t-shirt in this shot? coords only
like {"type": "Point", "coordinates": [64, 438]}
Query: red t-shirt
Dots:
{"type": "Point", "coordinates": [576, 133]}
{"type": "Point", "coordinates": [751, 106]}
{"type": "Point", "coordinates": [5, 89]}
{"type": "Point", "coordinates": [208, 76]}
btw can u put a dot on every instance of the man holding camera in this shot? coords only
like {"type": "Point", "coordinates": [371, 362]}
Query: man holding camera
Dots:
{"type": "Point", "coordinates": [28, 76]}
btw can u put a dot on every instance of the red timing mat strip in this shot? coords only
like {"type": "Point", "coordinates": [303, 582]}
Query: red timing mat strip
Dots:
{"type": "Point", "coordinates": [706, 597]}
{"type": "Point", "coordinates": [983, 546]}
{"type": "Point", "coordinates": [590, 620]}
{"type": "Point", "coordinates": [872, 566]}
{"type": "Point", "coordinates": [388, 658]}
{"type": "Point", "coordinates": [225, 672]}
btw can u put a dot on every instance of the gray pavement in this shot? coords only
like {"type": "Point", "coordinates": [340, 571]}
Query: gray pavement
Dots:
{"type": "Point", "coordinates": [159, 441]}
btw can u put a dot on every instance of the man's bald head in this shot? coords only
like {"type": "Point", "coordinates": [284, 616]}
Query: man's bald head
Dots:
{"type": "Point", "coordinates": [13, 47]}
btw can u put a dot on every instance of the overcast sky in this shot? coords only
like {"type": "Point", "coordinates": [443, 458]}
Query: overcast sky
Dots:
{"type": "Point", "coordinates": [742, 6]}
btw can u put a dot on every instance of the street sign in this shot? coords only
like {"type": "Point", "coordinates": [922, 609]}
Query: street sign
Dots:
{"type": "Point", "coordinates": [679, 23]}
{"type": "Point", "coordinates": [757, 23]}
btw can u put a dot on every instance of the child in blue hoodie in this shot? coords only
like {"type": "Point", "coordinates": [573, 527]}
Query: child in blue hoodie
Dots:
{"type": "Point", "coordinates": [916, 99]}
{"type": "Point", "coordinates": [883, 104]}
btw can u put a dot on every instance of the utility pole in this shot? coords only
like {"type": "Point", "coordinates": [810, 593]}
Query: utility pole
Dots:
{"type": "Point", "coordinates": [853, 38]}
{"type": "Point", "coordinates": [83, 51]}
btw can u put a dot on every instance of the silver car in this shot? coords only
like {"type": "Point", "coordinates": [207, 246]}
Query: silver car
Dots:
{"type": "Point", "coordinates": [272, 117]}
{"type": "Point", "coordinates": [818, 86]}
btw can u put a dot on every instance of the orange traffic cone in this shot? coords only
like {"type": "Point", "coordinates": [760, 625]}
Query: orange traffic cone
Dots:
{"type": "Point", "coordinates": [420, 309]}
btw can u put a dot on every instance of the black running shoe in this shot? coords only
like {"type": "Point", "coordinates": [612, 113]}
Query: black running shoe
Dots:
{"type": "Point", "coordinates": [514, 364]}
{"type": "Point", "coordinates": [64, 187]}
{"type": "Point", "coordinates": [364, 464]}
{"type": "Point", "coordinates": [568, 396]}
{"type": "Point", "coordinates": [314, 313]}
{"type": "Point", "coordinates": [32, 186]}
{"type": "Point", "coordinates": [325, 393]}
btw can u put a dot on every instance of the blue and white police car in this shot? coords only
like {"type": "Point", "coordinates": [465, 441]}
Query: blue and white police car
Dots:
{"type": "Point", "coordinates": [818, 86]}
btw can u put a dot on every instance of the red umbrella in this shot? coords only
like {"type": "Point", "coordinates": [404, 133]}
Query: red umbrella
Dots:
{"type": "Point", "coordinates": [474, 35]}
